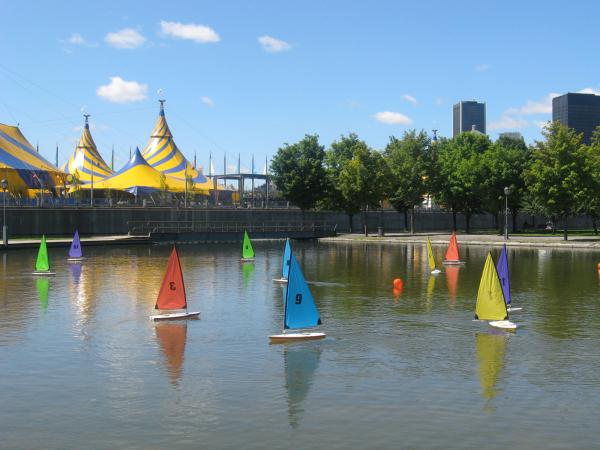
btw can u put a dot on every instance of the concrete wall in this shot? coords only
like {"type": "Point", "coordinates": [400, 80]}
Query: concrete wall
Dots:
{"type": "Point", "coordinates": [35, 221]}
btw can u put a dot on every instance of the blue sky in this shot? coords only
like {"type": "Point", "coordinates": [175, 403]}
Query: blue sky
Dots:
{"type": "Point", "coordinates": [246, 77]}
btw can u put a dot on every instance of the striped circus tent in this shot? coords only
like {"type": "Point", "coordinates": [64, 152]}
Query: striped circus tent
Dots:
{"type": "Point", "coordinates": [162, 153]}
{"type": "Point", "coordinates": [138, 178]}
{"type": "Point", "coordinates": [23, 167]}
{"type": "Point", "coordinates": [86, 161]}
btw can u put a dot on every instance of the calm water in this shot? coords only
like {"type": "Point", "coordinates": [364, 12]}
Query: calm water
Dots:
{"type": "Point", "coordinates": [82, 366]}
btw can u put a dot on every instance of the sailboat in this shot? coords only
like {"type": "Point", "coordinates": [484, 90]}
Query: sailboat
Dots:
{"type": "Point", "coordinates": [300, 311]}
{"type": "Point", "coordinates": [502, 268]}
{"type": "Point", "coordinates": [247, 250]}
{"type": "Point", "coordinates": [285, 265]}
{"type": "Point", "coordinates": [452, 252]}
{"type": "Point", "coordinates": [42, 265]}
{"type": "Point", "coordinates": [75, 252]}
{"type": "Point", "coordinates": [431, 258]}
{"type": "Point", "coordinates": [171, 296]}
{"type": "Point", "coordinates": [490, 298]}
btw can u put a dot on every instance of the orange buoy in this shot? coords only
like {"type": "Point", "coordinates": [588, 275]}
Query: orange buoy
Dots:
{"type": "Point", "coordinates": [398, 283]}
{"type": "Point", "coordinates": [397, 293]}
{"type": "Point", "coordinates": [599, 266]}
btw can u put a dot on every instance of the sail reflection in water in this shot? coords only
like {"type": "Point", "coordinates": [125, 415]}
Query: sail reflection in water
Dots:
{"type": "Point", "coordinates": [171, 337]}
{"type": "Point", "coordinates": [452, 281]}
{"type": "Point", "coordinates": [490, 349]}
{"type": "Point", "coordinates": [300, 366]}
{"type": "Point", "coordinates": [42, 285]}
{"type": "Point", "coordinates": [247, 270]}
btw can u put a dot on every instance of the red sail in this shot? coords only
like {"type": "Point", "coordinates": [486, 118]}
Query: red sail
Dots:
{"type": "Point", "coordinates": [452, 252]}
{"type": "Point", "coordinates": [172, 291]}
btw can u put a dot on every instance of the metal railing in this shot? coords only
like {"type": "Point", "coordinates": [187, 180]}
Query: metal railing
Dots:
{"type": "Point", "coordinates": [147, 227]}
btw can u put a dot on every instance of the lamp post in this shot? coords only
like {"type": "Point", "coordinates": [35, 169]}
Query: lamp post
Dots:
{"type": "Point", "coordinates": [506, 192]}
{"type": "Point", "coordinates": [4, 185]}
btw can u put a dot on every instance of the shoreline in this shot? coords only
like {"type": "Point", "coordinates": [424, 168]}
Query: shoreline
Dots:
{"type": "Point", "coordinates": [493, 240]}
{"type": "Point", "coordinates": [17, 243]}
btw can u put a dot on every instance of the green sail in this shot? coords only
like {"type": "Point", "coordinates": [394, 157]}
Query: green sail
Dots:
{"type": "Point", "coordinates": [247, 250]}
{"type": "Point", "coordinates": [42, 265]}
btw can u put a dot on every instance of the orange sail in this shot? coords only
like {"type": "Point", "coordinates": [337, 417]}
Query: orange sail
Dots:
{"type": "Point", "coordinates": [452, 252]}
{"type": "Point", "coordinates": [172, 291]}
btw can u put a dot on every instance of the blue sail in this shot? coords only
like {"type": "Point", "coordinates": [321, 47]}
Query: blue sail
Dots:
{"type": "Point", "coordinates": [502, 269]}
{"type": "Point", "coordinates": [75, 250]}
{"type": "Point", "coordinates": [300, 308]}
{"type": "Point", "coordinates": [285, 267]}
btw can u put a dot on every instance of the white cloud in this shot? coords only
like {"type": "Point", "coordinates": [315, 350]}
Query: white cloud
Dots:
{"type": "Point", "coordinates": [589, 91]}
{"type": "Point", "coordinates": [126, 38]}
{"type": "Point", "coordinates": [193, 32]}
{"type": "Point", "coordinates": [392, 118]}
{"type": "Point", "coordinates": [410, 98]}
{"type": "Point", "coordinates": [207, 101]}
{"type": "Point", "coordinates": [272, 45]}
{"type": "Point", "coordinates": [76, 39]}
{"type": "Point", "coordinates": [121, 91]}
{"type": "Point", "coordinates": [507, 122]}
{"type": "Point", "coordinates": [482, 67]}
{"type": "Point", "coordinates": [540, 123]}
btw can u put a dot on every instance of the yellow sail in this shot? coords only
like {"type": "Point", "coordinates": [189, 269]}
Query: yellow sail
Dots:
{"type": "Point", "coordinates": [490, 298]}
{"type": "Point", "coordinates": [430, 255]}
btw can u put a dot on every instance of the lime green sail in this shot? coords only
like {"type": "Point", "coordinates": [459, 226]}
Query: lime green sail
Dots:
{"type": "Point", "coordinates": [42, 264]}
{"type": "Point", "coordinates": [247, 250]}
{"type": "Point", "coordinates": [430, 255]}
{"type": "Point", "coordinates": [490, 297]}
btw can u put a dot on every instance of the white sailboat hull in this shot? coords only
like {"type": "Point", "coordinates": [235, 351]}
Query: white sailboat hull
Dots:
{"type": "Point", "coordinates": [43, 273]}
{"type": "Point", "coordinates": [176, 316]}
{"type": "Point", "coordinates": [503, 324]}
{"type": "Point", "coordinates": [280, 280]}
{"type": "Point", "coordinates": [452, 262]}
{"type": "Point", "coordinates": [301, 336]}
{"type": "Point", "coordinates": [75, 259]}
{"type": "Point", "coordinates": [435, 271]}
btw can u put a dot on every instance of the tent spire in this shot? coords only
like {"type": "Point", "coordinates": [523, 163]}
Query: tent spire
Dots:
{"type": "Point", "coordinates": [194, 159]}
{"type": "Point", "coordinates": [239, 165]}
{"type": "Point", "coordinates": [162, 106]}
{"type": "Point", "coordinates": [87, 116]}
{"type": "Point", "coordinates": [56, 156]}
{"type": "Point", "coordinates": [210, 164]}
{"type": "Point", "coordinates": [112, 158]}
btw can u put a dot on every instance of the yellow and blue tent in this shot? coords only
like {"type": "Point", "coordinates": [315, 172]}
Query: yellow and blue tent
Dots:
{"type": "Point", "coordinates": [86, 161]}
{"type": "Point", "coordinates": [22, 166]}
{"type": "Point", "coordinates": [162, 153]}
{"type": "Point", "coordinates": [138, 177]}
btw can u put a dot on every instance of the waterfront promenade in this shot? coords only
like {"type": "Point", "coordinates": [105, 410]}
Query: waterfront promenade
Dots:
{"type": "Point", "coordinates": [492, 240]}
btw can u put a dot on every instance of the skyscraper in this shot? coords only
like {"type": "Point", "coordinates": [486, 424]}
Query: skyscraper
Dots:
{"type": "Point", "coordinates": [468, 116]}
{"type": "Point", "coordinates": [578, 111]}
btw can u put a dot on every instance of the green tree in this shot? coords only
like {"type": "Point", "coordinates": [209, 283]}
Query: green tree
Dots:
{"type": "Point", "coordinates": [591, 202]}
{"type": "Point", "coordinates": [337, 157]}
{"type": "Point", "coordinates": [407, 160]}
{"type": "Point", "coordinates": [298, 172]}
{"type": "Point", "coordinates": [558, 177]}
{"type": "Point", "coordinates": [504, 163]}
{"type": "Point", "coordinates": [458, 174]}
{"type": "Point", "coordinates": [365, 179]}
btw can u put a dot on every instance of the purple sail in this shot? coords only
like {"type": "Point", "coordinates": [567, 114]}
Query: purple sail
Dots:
{"type": "Point", "coordinates": [75, 250]}
{"type": "Point", "coordinates": [502, 269]}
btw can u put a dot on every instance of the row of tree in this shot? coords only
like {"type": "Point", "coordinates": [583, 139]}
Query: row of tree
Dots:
{"type": "Point", "coordinates": [557, 177]}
